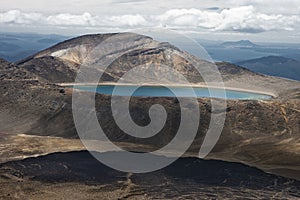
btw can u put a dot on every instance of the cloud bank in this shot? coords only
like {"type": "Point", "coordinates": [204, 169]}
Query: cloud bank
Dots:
{"type": "Point", "coordinates": [242, 19]}
{"type": "Point", "coordinates": [237, 19]}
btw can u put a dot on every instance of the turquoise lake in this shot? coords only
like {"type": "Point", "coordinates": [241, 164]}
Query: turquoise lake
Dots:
{"type": "Point", "coordinates": [160, 91]}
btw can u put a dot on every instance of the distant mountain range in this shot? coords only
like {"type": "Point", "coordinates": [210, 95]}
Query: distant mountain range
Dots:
{"type": "Point", "coordinates": [283, 62]}
{"type": "Point", "coordinates": [274, 66]}
{"type": "Point", "coordinates": [238, 51]}
{"type": "Point", "coordinates": [17, 46]}
{"type": "Point", "coordinates": [239, 44]}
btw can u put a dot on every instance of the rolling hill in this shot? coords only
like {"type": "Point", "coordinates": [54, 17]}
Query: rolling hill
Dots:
{"type": "Point", "coordinates": [274, 66]}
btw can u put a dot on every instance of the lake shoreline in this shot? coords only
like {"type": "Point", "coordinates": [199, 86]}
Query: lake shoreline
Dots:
{"type": "Point", "coordinates": [212, 86]}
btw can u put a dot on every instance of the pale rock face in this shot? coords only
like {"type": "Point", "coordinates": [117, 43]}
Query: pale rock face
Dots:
{"type": "Point", "coordinates": [77, 54]}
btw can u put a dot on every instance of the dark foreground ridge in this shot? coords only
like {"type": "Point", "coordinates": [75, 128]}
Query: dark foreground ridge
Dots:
{"type": "Point", "coordinates": [78, 175]}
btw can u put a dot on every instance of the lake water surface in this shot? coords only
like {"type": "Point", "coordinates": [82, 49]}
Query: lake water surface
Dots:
{"type": "Point", "coordinates": [160, 91]}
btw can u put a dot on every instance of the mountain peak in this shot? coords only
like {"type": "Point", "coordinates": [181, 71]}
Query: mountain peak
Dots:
{"type": "Point", "coordinates": [61, 62]}
{"type": "Point", "coordinates": [78, 47]}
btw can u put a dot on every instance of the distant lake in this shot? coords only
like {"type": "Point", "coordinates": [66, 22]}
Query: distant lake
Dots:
{"type": "Point", "coordinates": [160, 91]}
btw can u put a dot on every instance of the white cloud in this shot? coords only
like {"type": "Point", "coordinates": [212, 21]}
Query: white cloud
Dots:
{"type": "Point", "coordinates": [237, 19]}
{"type": "Point", "coordinates": [244, 19]}
{"type": "Point", "coordinates": [286, 7]}
{"type": "Point", "coordinates": [126, 20]}
{"type": "Point", "coordinates": [87, 19]}
{"type": "Point", "coordinates": [149, 7]}
{"type": "Point", "coordinates": [18, 17]}
{"type": "Point", "coordinates": [67, 19]}
{"type": "Point", "coordinates": [189, 17]}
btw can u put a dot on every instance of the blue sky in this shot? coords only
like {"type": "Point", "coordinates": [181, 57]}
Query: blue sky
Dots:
{"type": "Point", "coordinates": [258, 20]}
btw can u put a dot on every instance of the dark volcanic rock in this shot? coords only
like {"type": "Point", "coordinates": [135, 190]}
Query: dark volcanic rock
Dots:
{"type": "Point", "coordinates": [10, 71]}
{"type": "Point", "coordinates": [4, 64]}
{"type": "Point", "coordinates": [78, 174]}
{"type": "Point", "coordinates": [51, 69]}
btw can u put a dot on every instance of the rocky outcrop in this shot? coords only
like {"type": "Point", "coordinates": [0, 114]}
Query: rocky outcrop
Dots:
{"type": "Point", "coordinates": [4, 64]}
